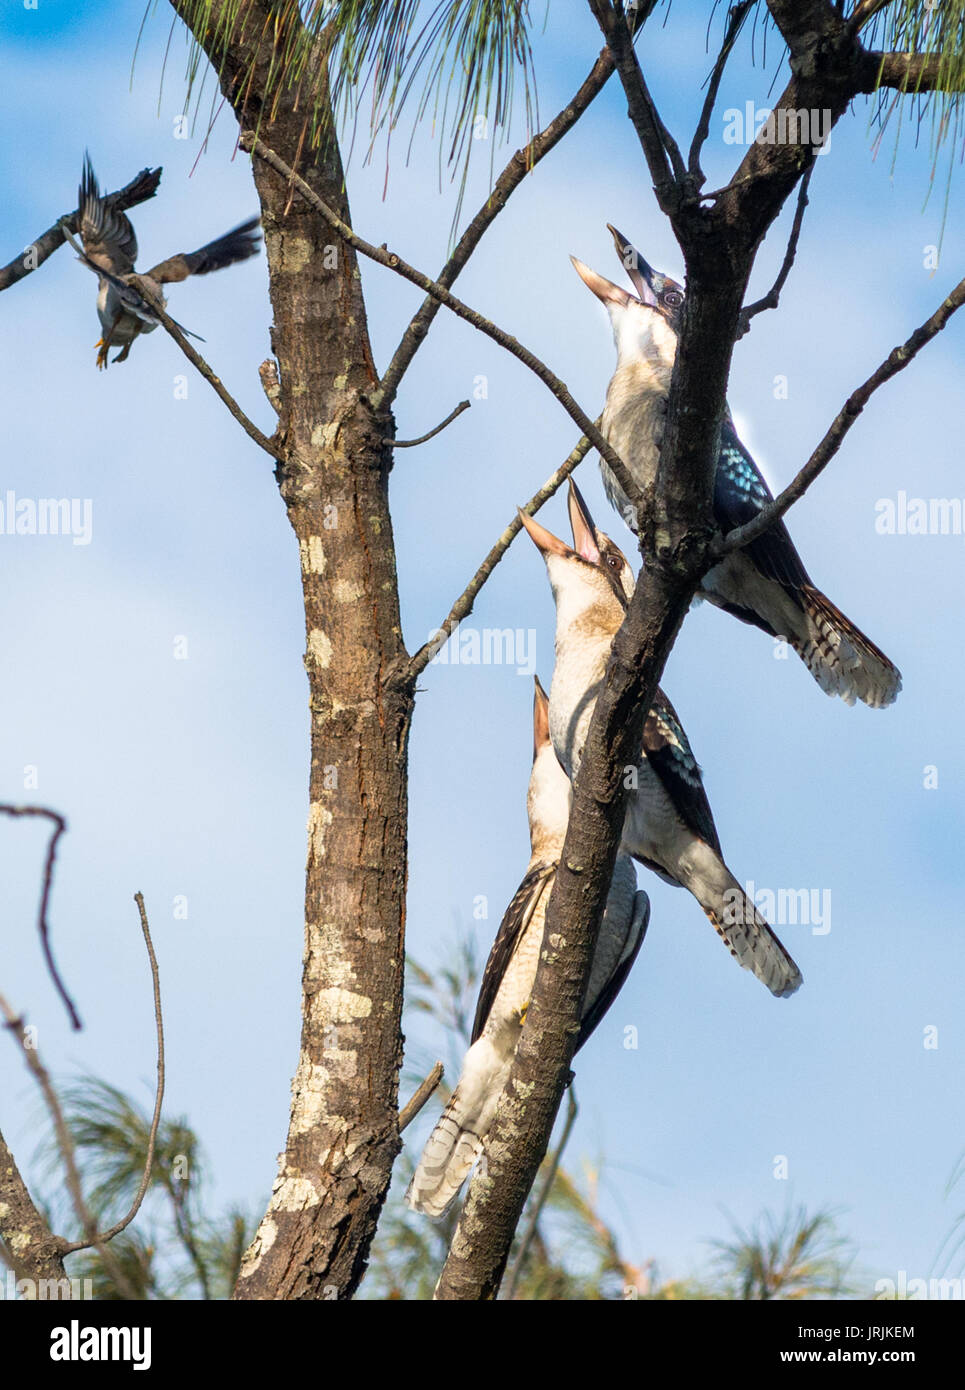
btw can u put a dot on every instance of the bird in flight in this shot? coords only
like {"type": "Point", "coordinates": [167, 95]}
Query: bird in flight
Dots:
{"type": "Point", "coordinates": [126, 302]}
{"type": "Point", "coordinates": [765, 583]}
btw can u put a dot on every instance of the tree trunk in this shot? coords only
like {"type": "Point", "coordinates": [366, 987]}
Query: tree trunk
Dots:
{"type": "Point", "coordinates": [343, 1136]}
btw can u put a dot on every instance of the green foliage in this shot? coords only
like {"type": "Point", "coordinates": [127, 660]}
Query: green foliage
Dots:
{"type": "Point", "coordinates": [793, 1256]}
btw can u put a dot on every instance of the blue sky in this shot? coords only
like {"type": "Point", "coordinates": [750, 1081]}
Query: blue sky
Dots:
{"type": "Point", "coordinates": [189, 777]}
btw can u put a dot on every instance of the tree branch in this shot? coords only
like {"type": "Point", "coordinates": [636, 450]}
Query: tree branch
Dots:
{"type": "Point", "coordinates": [735, 20]}
{"type": "Point", "coordinates": [895, 362]}
{"type": "Point", "coordinates": [216, 384]}
{"type": "Point", "coordinates": [31, 1247]}
{"type": "Point", "coordinates": [140, 188]}
{"type": "Point", "coordinates": [424, 438]}
{"type": "Point", "coordinates": [772, 298]}
{"type": "Point", "coordinates": [104, 1236]}
{"type": "Point", "coordinates": [536, 1210]}
{"type": "Point", "coordinates": [43, 928]}
{"type": "Point", "coordinates": [250, 141]}
{"type": "Point", "coordinates": [464, 603]}
{"type": "Point", "coordinates": [661, 150]}
{"type": "Point", "coordinates": [522, 163]}
{"type": "Point", "coordinates": [415, 1102]}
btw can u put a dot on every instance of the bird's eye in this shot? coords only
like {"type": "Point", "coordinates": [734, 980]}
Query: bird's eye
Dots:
{"type": "Point", "coordinates": [673, 299]}
{"type": "Point", "coordinates": [614, 563]}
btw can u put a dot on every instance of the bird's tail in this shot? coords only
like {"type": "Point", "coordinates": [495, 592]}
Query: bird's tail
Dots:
{"type": "Point", "coordinates": [738, 923]}
{"type": "Point", "coordinates": [840, 657]}
{"type": "Point", "coordinates": [456, 1144]}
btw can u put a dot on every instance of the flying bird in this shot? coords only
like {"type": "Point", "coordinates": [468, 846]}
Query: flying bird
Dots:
{"type": "Point", "coordinates": [126, 309]}
{"type": "Point", "coordinates": [765, 583]}
{"type": "Point", "coordinates": [456, 1143]}
{"type": "Point", "coordinates": [669, 825]}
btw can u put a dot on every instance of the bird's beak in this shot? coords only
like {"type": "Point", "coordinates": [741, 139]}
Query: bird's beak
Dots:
{"type": "Point", "coordinates": [541, 718]}
{"type": "Point", "coordinates": [546, 543]}
{"type": "Point", "coordinates": [584, 531]}
{"type": "Point", "coordinates": [639, 270]}
{"type": "Point", "coordinates": [604, 289]}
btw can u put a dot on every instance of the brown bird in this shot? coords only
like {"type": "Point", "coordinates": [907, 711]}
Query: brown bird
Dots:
{"type": "Point", "coordinates": [125, 302]}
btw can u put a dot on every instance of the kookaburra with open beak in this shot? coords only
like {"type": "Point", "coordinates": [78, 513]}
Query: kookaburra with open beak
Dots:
{"type": "Point", "coordinates": [669, 826]}
{"type": "Point", "coordinates": [457, 1141]}
{"type": "Point", "coordinates": [765, 583]}
{"type": "Point", "coordinates": [126, 308]}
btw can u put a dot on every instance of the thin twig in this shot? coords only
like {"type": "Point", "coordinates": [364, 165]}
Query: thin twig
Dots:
{"type": "Point", "coordinates": [522, 163]}
{"type": "Point", "coordinates": [464, 603]}
{"type": "Point", "coordinates": [735, 20]}
{"type": "Point", "coordinates": [104, 1236]}
{"type": "Point", "coordinates": [140, 188]}
{"type": "Point", "coordinates": [771, 299]}
{"type": "Point", "coordinates": [863, 11]}
{"type": "Point", "coordinates": [536, 1211]}
{"type": "Point", "coordinates": [60, 826]}
{"type": "Point", "coordinates": [415, 1103]}
{"type": "Point", "coordinates": [381, 254]}
{"type": "Point", "coordinates": [17, 1027]}
{"type": "Point", "coordinates": [411, 443]}
{"type": "Point", "coordinates": [215, 382]}
{"type": "Point", "coordinates": [896, 361]}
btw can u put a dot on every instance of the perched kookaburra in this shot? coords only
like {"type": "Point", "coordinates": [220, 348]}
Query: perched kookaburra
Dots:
{"type": "Point", "coordinates": [669, 826]}
{"type": "Point", "coordinates": [110, 250]}
{"type": "Point", "coordinates": [765, 583]}
{"type": "Point", "coordinates": [457, 1140]}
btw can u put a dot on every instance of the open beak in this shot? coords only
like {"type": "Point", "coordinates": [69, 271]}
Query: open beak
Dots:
{"type": "Point", "coordinates": [604, 289]}
{"type": "Point", "coordinates": [584, 531]}
{"type": "Point", "coordinates": [546, 543]}
{"type": "Point", "coordinates": [639, 270]}
{"type": "Point", "coordinates": [541, 717]}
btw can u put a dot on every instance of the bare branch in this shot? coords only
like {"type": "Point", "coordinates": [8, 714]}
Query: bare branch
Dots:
{"type": "Point", "coordinates": [415, 1103]}
{"type": "Point", "coordinates": [772, 298]}
{"type": "Point", "coordinates": [104, 1236]}
{"type": "Point", "coordinates": [735, 20]}
{"type": "Point", "coordinates": [215, 382]}
{"type": "Point", "coordinates": [863, 11]}
{"type": "Point", "coordinates": [29, 1246]}
{"type": "Point", "coordinates": [411, 443]}
{"type": "Point", "coordinates": [661, 150]}
{"type": "Point", "coordinates": [522, 163]}
{"type": "Point", "coordinates": [139, 189]}
{"type": "Point", "coordinates": [536, 1210]}
{"type": "Point", "coordinates": [60, 826]}
{"type": "Point", "coordinates": [895, 362]}
{"type": "Point", "coordinates": [464, 603]}
{"type": "Point", "coordinates": [250, 141]}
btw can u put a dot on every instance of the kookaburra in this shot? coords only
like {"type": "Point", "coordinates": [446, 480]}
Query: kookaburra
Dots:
{"type": "Point", "coordinates": [765, 583]}
{"type": "Point", "coordinates": [110, 250]}
{"type": "Point", "coordinates": [669, 826]}
{"type": "Point", "coordinates": [457, 1141]}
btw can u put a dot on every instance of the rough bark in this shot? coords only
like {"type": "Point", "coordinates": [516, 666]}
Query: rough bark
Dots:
{"type": "Point", "coordinates": [32, 1248]}
{"type": "Point", "coordinates": [343, 1134]}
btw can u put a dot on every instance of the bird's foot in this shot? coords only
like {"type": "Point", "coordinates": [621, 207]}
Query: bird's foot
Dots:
{"type": "Point", "coordinates": [101, 354]}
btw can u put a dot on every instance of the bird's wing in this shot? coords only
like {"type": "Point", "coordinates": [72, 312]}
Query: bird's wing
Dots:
{"type": "Point", "coordinates": [671, 757]}
{"type": "Point", "coordinates": [515, 920]}
{"type": "Point", "coordinates": [601, 1004]}
{"type": "Point", "coordinates": [236, 245]}
{"type": "Point", "coordinates": [739, 494]}
{"type": "Point", "coordinates": [108, 237]}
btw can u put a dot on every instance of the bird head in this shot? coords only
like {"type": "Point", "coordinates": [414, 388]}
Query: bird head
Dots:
{"type": "Point", "coordinates": [586, 583]}
{"type": "Point", "coordinates": [596, 546]}
{"type": "Point", "coordinates": [646, 325]}
{"type": "Point", "coordinates": [548, 800]}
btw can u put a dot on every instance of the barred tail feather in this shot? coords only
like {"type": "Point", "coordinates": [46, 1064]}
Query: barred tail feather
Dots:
{"type": "Point", "coordinates": [739, 925]}
{"type": "Point", "coordinates": [448, 1158]}
{"type": "Point", "coordinates": [840, 658]}
{"type": "Point", "coordinates": [455, 1145]}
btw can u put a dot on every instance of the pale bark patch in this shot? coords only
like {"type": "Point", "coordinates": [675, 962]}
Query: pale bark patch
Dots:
{"type": "Point", "coordinates": [319, 819]}
{"type": "Point", "coordinates": [312, 555]}
{"type": "Point", "coordinates": [319, 647]}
